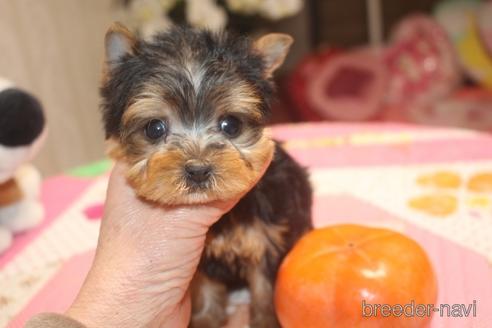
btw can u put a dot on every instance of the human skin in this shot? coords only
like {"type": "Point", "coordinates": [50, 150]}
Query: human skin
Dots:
{"type": "Point", "coordinates": [145, 259]}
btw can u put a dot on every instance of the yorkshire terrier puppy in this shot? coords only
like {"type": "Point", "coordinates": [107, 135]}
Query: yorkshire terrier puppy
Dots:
{"type": "Point", "coordinates": [186, 111]}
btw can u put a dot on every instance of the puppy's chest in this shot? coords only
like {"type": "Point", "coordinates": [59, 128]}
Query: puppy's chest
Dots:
{"type": "Point", "coordinates": [244, 242]}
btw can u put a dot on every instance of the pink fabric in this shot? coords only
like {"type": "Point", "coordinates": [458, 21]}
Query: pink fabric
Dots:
{"type": "Point", "coordinates": [94, 212]}
{"type": "Point", "coordinates": [316, 155]}
{"type": "Point", "coordinates": [308, 130]}
{"type": "Point", "coordinates": [462, 274]}
{"type": "Point", "coordinates": [57, 194]}
{"type": "Point", "coordinates": [439, 151]}
{"type": "Point", "coordinates": [57, 295]}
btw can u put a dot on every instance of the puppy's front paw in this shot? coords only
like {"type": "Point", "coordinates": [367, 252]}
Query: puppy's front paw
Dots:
{"type": "Point", "coordinates": [206, 321]}
{"type": "Point", "coordinates": [264, 321]}
{"type": "Point", "coordinates": [209, 300]}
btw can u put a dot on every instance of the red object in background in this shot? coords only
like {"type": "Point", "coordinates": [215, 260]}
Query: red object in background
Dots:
{"type": "Point", "coordinates": [421, 62]}
{"type": "Point", "coordinates": [350, 87]}
{"type": "Point", "coordinates": [325, 278]}
{"type": "Point", "coordinates": [339, 85]}
{"type": "Point", "coordinates": [419, 67]}
{"type": "Point", "coordinates": [297, 83]}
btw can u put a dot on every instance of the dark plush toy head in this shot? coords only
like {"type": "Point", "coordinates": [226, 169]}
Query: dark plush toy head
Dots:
{"type": "Point", "coordinates": [22, 124]}
{"type": "Point", "coordinates": [21, 118]}
{"type": "Point", "coordinates": [186, 110]}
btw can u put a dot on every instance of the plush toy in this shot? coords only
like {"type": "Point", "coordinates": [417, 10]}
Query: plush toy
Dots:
{"type": "Point", "coordinates": [22, 132]}
{"type": "Point", "coordinates": [351, 87]}
{"type": "Point", "coordinates": [418, 66]}
{"type": "Point", "coordinates": [339, 85]}
{"type": "Point", "coordinates": [421, 63]}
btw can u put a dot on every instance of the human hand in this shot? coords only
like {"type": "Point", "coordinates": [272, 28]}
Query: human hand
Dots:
{"type": "Point", "coordinates": [145, 259]}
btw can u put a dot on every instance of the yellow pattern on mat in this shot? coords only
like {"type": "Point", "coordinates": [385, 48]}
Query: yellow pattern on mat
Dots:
{"type": "Point", "coordinates": [442, 179]}
{"type": "Point", "coordinates": [480, 182]}
{"type": "Point", "coordinates": [439, 205]}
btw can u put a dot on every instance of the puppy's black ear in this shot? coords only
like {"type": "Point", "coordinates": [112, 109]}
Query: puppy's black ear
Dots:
{"type": "Point", "coordinates": [274, 48]}
{"type": "Point", "coordinates": [119, 42]}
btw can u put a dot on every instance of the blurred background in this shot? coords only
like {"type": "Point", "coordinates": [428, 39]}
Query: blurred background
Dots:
{"type": "Point", "coordinates": [419, 61]}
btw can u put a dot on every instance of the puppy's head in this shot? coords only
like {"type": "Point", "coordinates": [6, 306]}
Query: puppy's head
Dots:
{"type": "Point", "coordinates": [186, 111]}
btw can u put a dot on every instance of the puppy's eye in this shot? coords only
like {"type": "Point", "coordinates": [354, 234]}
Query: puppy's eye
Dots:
{"type": "Point", "coordinates": [155, 129]}
{"type": "Point", "coordinates": [231, 126]}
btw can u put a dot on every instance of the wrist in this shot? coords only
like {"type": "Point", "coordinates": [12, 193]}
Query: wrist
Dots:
{"type": "Point", "coordinates": [93, 310]}
{"type": "Point", "coordinates": [128, 287]}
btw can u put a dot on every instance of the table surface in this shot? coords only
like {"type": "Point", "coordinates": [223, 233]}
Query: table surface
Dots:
{"type": "Point", "coordinates": [434, 185]}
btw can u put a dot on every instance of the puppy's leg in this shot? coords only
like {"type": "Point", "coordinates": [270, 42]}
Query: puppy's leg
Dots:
{"type": "Point", "coordinates": [262, 311]}
{"type": "Point", "coordinates": [209, 301]}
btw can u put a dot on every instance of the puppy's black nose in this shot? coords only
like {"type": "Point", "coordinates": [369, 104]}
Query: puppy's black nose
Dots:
{"type": "Point", "coordinates": [198, 172]}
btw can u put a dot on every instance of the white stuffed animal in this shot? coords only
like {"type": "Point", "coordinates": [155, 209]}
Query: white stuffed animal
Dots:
{"type": "Point", "coordinates": [22, 132]}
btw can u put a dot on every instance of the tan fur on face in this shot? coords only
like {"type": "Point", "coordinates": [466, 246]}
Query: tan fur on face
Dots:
{"type": "Point", "coordinates": [148, 105]}
{"type": "Point", "coordinates": [161, 178]}
{"type": "Point", "coordinates": [143, 109]}
{"type": "Point", "coordinates": [156, 168]}
{"type": "Point", "coordinates": [114, 149]}
{"type": "Point", "coordinates": [244, 100]}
